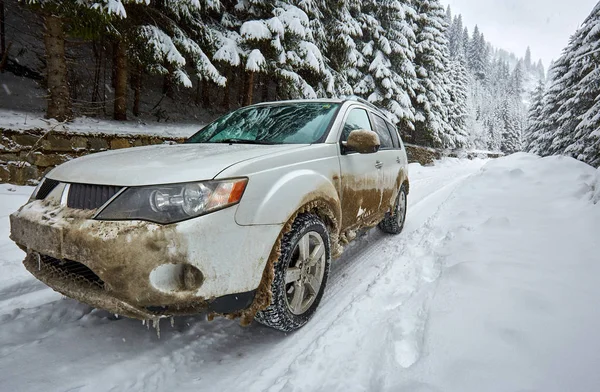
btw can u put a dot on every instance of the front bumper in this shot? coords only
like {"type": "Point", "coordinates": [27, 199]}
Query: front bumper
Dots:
{"type": "Point", "coordinates": [124, 254]}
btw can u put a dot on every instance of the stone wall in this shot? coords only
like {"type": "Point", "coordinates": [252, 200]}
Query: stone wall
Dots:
{"type": "Point", "coordinates": [26, 156]}
{"type": "Point", "coordinates": [426, 155]}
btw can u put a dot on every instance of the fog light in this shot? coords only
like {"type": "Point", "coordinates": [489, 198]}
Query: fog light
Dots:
{"type": "Point", "coordinates": [176, 277]}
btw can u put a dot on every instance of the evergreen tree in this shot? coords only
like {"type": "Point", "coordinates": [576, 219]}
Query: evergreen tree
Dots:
{"type": "Point", "coordinates": [534, 118]}
{"type": "Point", "coordinates": [386, 62]}
{"type": "Point", "coordinates": [432, 97]}
{"type": "Point", "coordinates": [478, 55]}
{"type": "Point", "coordinates": [570, 116]}
{"type": "Point", "coordinates": [459, 99]}
{"type": "Point", "coordinates": [528, 63]}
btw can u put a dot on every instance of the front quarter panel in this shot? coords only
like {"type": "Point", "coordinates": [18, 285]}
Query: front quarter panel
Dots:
{"type": "Point", "coordinates": [280, 186]}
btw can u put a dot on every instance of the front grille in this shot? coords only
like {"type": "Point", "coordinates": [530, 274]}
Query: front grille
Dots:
{"type": "Point", "coordinates": [72, 270]}
{"type": "Point", "coordinates": [90, 197]}
{"type": "Point", "coordinates": [47, 186]}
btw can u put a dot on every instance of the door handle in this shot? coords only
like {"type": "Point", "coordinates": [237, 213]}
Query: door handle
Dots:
{"type": "Point", "coordinates": [398, 160]}
{"type": "Point", "coordinates": [378, 164]}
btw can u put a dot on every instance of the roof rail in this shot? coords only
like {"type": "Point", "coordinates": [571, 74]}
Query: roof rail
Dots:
{"type": "Point", "coordinates": [363, 101]}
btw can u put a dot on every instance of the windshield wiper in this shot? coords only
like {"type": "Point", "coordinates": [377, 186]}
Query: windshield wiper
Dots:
{"type": "Point", "coordinates": [242, 141]}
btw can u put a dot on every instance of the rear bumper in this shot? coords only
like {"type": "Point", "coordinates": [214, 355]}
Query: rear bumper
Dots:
{"type": "Point", "coordinates": [126, 254]}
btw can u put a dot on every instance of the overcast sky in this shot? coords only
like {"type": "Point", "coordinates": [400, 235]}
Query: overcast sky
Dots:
{"type": "Point", "coordinates": [544, 25]}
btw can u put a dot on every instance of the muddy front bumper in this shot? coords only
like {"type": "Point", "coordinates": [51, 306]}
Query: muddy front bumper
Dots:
{"type": "Point", "coordinates": [74, 281]}
{"type": "Point", "coordinates": [132, 268]}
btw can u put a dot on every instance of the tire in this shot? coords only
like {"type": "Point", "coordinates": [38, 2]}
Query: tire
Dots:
{"type": "Point", "coordinates": [294, 298]}
{"type": "Point", "coordinates": [394, 223]}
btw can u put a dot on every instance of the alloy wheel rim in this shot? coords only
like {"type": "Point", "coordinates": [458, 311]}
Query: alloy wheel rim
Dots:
{"type": "Point", "coordinates": [304, 274]}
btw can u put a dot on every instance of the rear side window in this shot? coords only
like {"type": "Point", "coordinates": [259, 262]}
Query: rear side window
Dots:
{"type": "Point", "coordinates": [384, 134]}
{"type": "Point", "coordinates": [395, 137]}
{"type": "Point", "coordinates": [357, 119]}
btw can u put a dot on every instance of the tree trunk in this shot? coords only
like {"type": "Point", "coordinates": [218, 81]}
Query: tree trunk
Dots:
{"type": "Point", "coordinates": [197, 98]}
{"type": "Point", "coordinates": [97, 70]}
{"type": "Point", "coordinates": [120, 111]}
{"type": "Point", "coordinates": [2, 30]}
{"type": "Point", "coordinates": [226, 93]}
{"type": "Point", "coordinates": [167, 88]}
{"type": "Point", "coordinates": [137, 88]}
{"type": "Point", "coordinates": [248, 100]}
{"type": "Point", "coordinates": [265, 88]}
{"type": "Point", "coordinates": [59, 100]}
{"type": "Point", "coordinates": [242, 87]}
{"type": "Point", "coordinates": [205, 94]}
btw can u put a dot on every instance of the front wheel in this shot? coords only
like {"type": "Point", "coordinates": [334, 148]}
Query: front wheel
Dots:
{"type": "Point", "coordinates": [300, 275]}
{"type": "Point", "coordinates": [394, 223]}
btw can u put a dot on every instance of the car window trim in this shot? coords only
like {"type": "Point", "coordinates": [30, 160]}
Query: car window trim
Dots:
{"type": "Point", "coordinates": [394, 131]}
{"type": "Point", "coordinates": [349, 109]}
{"type": "Point", "coordinates": [386, 127]}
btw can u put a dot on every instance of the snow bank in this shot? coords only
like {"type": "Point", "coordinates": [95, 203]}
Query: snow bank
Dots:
{"type": "Point", "coordinates": [20, 120]}
{"type": "Point", "coordinates": [596, 186]}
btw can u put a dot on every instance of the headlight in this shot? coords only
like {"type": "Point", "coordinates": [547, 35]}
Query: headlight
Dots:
{"type": "Point", "coordinates": [175, 202]}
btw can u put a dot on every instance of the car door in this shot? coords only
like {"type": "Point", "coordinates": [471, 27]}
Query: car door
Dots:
{"type": "Point", "coordinates": [389, 156]}
{"type": "Point", "coordinates": [361, 175]}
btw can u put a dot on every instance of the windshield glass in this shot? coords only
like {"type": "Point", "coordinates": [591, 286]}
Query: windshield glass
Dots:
{"type": "Point", "coordinates": [293, 123]}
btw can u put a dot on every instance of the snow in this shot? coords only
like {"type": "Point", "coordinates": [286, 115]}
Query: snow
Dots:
{"type": "Point", "coordinates": [23, 121]}
{"type": "Point", "coordinates": [256, 61]}
{"type": "Point", "coordinates": [255, 30]}
{"type": "Point", "coordinates": [491, 287]}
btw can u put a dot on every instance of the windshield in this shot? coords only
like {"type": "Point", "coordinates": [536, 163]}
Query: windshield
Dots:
{"type": "Point", "coordinates": [293, 123]}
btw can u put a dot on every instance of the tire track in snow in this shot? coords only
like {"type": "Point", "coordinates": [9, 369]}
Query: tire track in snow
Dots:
{"type": "Point", "coordinates": [402, 320]}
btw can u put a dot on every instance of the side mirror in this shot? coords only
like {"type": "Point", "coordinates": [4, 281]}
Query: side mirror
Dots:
{"type": "Point", "coordinates": [362, 141]}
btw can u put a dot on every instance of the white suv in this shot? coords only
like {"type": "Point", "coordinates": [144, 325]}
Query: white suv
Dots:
{"type": "Point", "coordinates": [241, 220]}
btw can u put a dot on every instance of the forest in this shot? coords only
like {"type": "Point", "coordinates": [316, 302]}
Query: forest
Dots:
{"type": "Point", "coordinates": [443, 84]}
{"type": "Point", "coordinates": [564, 117]}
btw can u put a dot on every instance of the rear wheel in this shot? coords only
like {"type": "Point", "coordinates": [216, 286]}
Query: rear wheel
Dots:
{"type": "Point", "coordinates": [394, 223]}
{"type": "Point", "coordinates": [300, 275]}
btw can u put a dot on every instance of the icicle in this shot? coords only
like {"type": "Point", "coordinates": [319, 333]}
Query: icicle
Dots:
{"type": "Point", "coordinates": [116, 316]}
{"type": "Point", "coordinates": [143, 322]}
{"type": "Point", "coordinates": [156, 325]}
{"type": "Point", "coordinates": [39, 260]}
{"type": "Point", "coordinates": [172, 322]}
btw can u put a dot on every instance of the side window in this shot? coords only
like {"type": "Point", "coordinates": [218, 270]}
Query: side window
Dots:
{"type": "Point", "coordinates": [384, 134]}
{"type": "Point", "coordinates": [357, 119]}
{"type": "Point", "coordinates": [395, 137]}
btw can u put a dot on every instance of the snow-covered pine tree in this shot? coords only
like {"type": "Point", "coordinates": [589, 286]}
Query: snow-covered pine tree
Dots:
{"type": "Point", "coordinates": [465, 42]}
{"type": "Point", "coordinates": [281, 33]}
{"type": "Point", "coordinates": [478, 55]}
{"type": "Point", "coordinates": [339, 46]}
{"type": "Point", "coordinates": [304, 72]}
{"type": "Point", "coordinates": [551, 104]}
{"type": "Point", "coordinates": [572, 95]}
{"type": "Point", "coordinates": [527, 60]}
{"type": "Point", "coordinates": [458, 108]}
{"type": "Point", "coordinates": [385, 65]}
{"type": "Point", "coordinates": [534, 118]}
{"type": "Point", "coordinates": [456, 38]}
{"type": "Point", "coordinates": [433, 92]}
{"type": "Point", "coordinates": [540, 70]}
{"type": "Point", "coordinates": [584, 106]}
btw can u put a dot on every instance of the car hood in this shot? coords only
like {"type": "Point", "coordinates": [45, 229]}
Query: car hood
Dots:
{"type": "Point", "coordinates": [160, 164]}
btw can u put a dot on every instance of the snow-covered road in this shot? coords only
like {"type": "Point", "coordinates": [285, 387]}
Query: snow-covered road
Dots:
{"type": "Point", "coordinates": [491, 287]}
